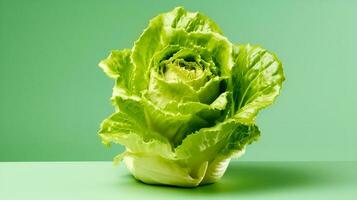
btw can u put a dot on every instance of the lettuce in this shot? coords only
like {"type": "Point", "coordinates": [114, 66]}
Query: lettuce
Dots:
{"type": "Point", "coordinates": [186, 99]}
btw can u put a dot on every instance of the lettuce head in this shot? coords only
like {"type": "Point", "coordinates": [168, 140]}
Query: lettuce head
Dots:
{"type": "Point", "coordinates": [186, 99]}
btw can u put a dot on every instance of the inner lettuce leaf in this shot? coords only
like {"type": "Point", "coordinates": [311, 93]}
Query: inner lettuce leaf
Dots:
{"type": "Point", "coordinates": [186, 99]}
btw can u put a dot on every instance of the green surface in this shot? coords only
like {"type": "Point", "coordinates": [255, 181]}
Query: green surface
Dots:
{"type": "Point", "coordinates": [243, 180]}
{"type": "Point", "coordinates": [53, 95]}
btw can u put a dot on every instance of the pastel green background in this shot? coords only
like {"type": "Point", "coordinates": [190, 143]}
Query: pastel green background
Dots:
{"type": "Point", "coordinates": [53, 95]}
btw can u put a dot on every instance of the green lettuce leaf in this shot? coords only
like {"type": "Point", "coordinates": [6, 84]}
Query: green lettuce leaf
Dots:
{"type": "Point", "coordinates": [129, 128]}
{"type": "Point", "coordinates": [257, 78]}
{"type": "Point", "coordinates": [118, 65]}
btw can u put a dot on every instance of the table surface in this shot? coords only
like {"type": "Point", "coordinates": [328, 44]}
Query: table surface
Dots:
{"type": "Point", "coordinates": [243, 180]}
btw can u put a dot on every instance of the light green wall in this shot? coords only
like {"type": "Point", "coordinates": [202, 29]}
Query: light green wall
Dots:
{"type": "Point", "coordinates": [53, 95]}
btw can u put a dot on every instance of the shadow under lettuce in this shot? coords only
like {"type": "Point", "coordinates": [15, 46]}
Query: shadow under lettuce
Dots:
{"type": "Point", "coordinates": [252, 178]}
{"type": "Point", "coordinates": [256, 177]}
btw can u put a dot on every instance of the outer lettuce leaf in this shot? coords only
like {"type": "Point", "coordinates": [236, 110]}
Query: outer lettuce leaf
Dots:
{"type": "Point", "coordinates": [118, 65]}
{"type": "Point", "coordinates": [216, 145]}
{"type": "Point", "coordinates": [129, 128]}
{"type": "Point", "coordinates": [257, 78]}
{"type": "Point", "coordinates": [179, 18]}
